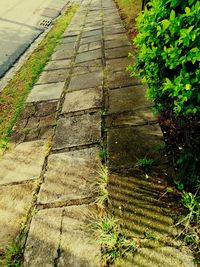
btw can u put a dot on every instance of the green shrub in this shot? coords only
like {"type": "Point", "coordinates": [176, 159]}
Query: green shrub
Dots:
{"type": "Point", "coordinates": [168, 60]}
{"type": "Point", "coordinates": [169, 55]}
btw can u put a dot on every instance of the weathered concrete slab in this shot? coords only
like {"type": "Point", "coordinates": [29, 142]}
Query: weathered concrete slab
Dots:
{"type": "Point", "coordinates": [119, 36]}
{"type": "Point", "coordinates": [70, 176]}
{"type": "Point", "coordinates": [117, 43]}
{"type": "Point", "coordinates": [126, 99]}
{"type": "Point", "coordinates": [62, 236]}
{"type": "Point", "coordinates": [141, 210]}
{"type": "Point", "coordinates": [118, 52]}
{"type": "Point", "coordinates": [126, 145]}
{"type": "Point", "coordinates": [50, 12]}
{"type": "Point", "coordinates": [23, 163]}
{"type": "Point", "coordinates": [90, 39]}
{"type": "Point", "coordinates": [121, 79]}
{"type": "Point", "coordinates": [78, 245]}
{"type": "Point", "coordinates": [63, 54]}
{"type": "Point", "coordinates": [44, 92]}
{"type": "Point", "coordinates": [119, 64]}
{"type": "Point", "coordinates": [92, 33]}
{"type": "Point", "coordinates": [78, 130]}
{"type": "Point", "coordinates": [82, 100]}
{"type": "Point", "coordinates": [140, 116]}
{"type": "Point", "coordinates": [58, 64]}
{"type": "Point", "coordinates": [15, 201]}
{"type": "Point", "coordinates": [53, 76]}
{"type": "Point", "coordinates": [86, 81]}
{"type": "Point", "coordinates": [164, 256]}
{"type": "Point", "coordinates": [43, 239]}
{"type": "Point", "coordinates": [87, 56]}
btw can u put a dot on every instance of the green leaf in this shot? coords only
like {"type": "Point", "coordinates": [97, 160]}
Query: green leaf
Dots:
{"type": "Point", "coordinates": [172, 15]}
{"type": "Point", "coordinates": [187, 10]}
{"type": "Point", "coordinates": [165, 24]}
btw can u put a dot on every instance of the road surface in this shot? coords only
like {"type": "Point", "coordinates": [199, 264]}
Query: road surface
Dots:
{"type": "Point", "coordinates": [20, 26]}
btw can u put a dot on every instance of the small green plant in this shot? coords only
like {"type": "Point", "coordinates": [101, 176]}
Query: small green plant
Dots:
{"type": "Point", "coordinates": [103, 153]}
{"type": "Point", "coordinates": [191, 238]}
{"type": "Point", "coordinates": [192, 204]}
{"type": "Point", "coordinates": [113, 241]}
{"type": "Point", "coordinates": [102, 198]}
{"type": "Point", "coordinates": [151, 236]}
{"type": "Point", "coordinates": [13, 255]}
{"type": "Point", "coordinates": [145, 163]}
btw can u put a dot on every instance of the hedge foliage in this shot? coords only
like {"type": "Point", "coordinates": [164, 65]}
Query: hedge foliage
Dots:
{"type": "Point", "coordinates": [168, 60]}
{"type": "Point", "coordinates": [169, 54]}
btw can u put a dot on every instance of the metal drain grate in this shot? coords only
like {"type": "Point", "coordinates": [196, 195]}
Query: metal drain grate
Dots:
{"type": "Point", "coordinates": [45, 23]}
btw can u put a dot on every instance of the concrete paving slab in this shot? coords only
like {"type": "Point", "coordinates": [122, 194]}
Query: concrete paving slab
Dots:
{"type": "Point", "coordinates": [118, 52]}
{"type": "Point", "coordinates": [87, 56]}
{"type": "Point", "coordinates": [164, 256]}
{"type": "Point", "coordinates": [82, 100]}
{"type": "Point", "coordinates": [53, 76]}
{"type": "Point", "coordinates": [63, 54]}
{"type": "Point", "coordinates": [43, 239]}
{"type": "Point", "coordinates": [126, 99]}
{"type": "Point", "coordinates": [70, 176]}
{"type": "Point", "coordinates": [126, 145]}
{"type": "Point", "coordinates": [15, 202]}
{"type": "Point", "coordinates": [23, 163]}
{"type": "Point", "coordinates": [78, 130]}
{"type": "Point", "coordinates": [119, 64]}
{"type": "Point", "coordinates": [78, 246]}
{"type": "Point", "coordinates": [86, 81]}
{"type": "Point", "coordinates": [44, 92]}
{"type": "Point", "coordinates": [120, 79]}
{"type": "Point", "coordinates": [117, 43]}
{"type": "Point", "coordinates": [58, 64]}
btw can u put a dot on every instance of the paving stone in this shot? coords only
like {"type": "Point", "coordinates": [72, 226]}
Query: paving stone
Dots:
{"type": "Point", "coordinates": [78, 245]}
{"type": "Point", "coordinates": [83, 48]}
{"type": "Point", "coordinates": [69, 40]}
{"type": "Point", "coordinates": [69, 232]}
{"type": "Point", "coordinates": [78, 130]}
{"type": "Point", "coordinates": [46, 133]}
{"type": "Point", "coordinates": [53, 76]}
{"type": "Point", "coordinates": [31, 134]}
{"type": "Point", "coordinates": [70, 176]}
{"type": "Point", "coordinates": [118, 64]}
{"type": "Point", "coordinates": [28, 111]}
{"type": "Point", "coordinates": [119, 36]}
{"type": "Point", "coordinates": [63, 54]}
{"type": "Point", "coordinates": [86, 69]}
{"type": "Point", "coordinates": [47, 121]}
{"type": "Point", "coordinates": [87, 56]}
{"type": "Point", "coordinates": [70, 33]}
{"type": "Point", "coordinates": [126, 145]}
{"type": "Point", "coordinates": [90, 63]}
{"type": "Point", "coordinates": [111, 30]}
{"type": "Point", "coordinates": [91, 39]}
{"type": "Point", "coordinates": [87, 80]}
{"type": "Point", "coordinates": [117, 43]}
{"type": "Point", "coordinates": [141, 210]}
{"type": "Point", "coordinates": [47, 108]}
{"type": "Point", "coordinates": [118, 52]}
{"type": "Point", "coordinates": [43, 238]}
{"type": "Point", "coordinates": [58, 64]}
{"type": "Point", "coordinates": [126, 99]}
{"type": "Point", "coordinates": [164, 256]}
{"type": "Point", "coordinates": [121, 79]}
{"type": "Point", "coordinates": [45, 92]}
{"type": "Point", "coordinates": [82, 100]}
{"type": "Point", "coordinates": [140, 116]}
{"type": "Point", "coordinates": [27, 160]}
{"type": "Point", "coordinates": [15, 201]}
{"type": "Point", "coordinates": [33, 122]}
{"type": "Point", "coordinates": [95, 45]}
{"type": "Point", "coordinates": [92, 33]}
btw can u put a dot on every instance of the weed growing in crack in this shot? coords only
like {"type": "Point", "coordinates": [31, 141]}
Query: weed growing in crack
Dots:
{"type": "Point", "coordinates": [145, 163]}
{"type": "Point", "coordinates": [113, 241]}
{"type": "Point", "coordinates": [13, 255]}
{"type": "Point", "coordinates": [103, 154]}
{"type": "Point", "coordinates": [102, 199]}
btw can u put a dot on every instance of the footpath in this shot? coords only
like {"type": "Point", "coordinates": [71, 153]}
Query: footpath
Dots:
{"type": "Point", "coordinates": [49, 179]}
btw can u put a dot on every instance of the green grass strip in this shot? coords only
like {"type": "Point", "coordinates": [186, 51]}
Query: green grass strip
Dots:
{"type": "Point", "coordinates": [13, 97]}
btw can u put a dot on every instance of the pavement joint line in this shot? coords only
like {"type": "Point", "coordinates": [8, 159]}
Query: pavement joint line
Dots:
{"type": "Point", "coordinates": [64, 204]}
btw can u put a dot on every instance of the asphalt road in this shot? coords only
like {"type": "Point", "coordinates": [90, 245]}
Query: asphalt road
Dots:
{"type": "Point", "coordinates": [20, 26]}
